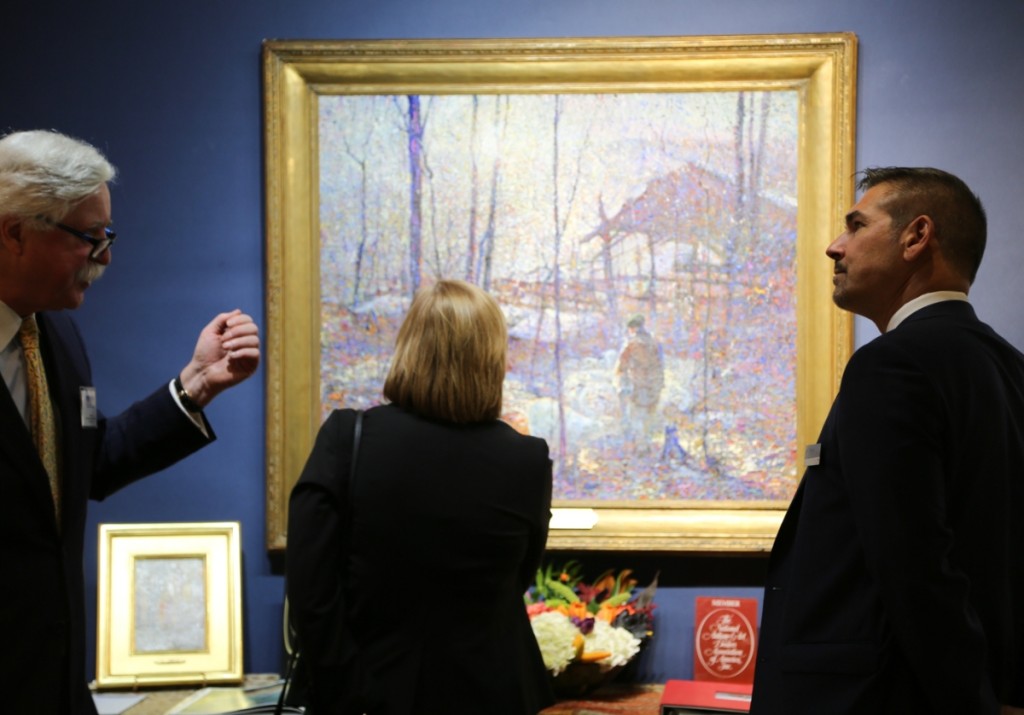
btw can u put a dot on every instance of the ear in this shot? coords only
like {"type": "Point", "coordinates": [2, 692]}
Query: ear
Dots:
{"type": "Point", "coordinates": [917, 237]}
{"type": "Point", "coordinates": [11, 234]}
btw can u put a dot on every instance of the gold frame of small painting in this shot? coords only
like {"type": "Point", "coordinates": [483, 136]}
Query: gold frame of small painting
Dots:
{"type": "Point", "coordinates": [169, 610]}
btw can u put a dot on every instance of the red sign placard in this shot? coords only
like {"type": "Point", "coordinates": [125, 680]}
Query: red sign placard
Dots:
{"type": "Point", "coordinates": [725, 640]}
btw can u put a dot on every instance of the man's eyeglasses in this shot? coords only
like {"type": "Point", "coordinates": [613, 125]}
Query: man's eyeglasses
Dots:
{"type": "Point", "coordinates": [99, 245]}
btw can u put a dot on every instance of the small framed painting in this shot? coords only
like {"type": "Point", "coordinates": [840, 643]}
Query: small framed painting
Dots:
{"type": "Point", "coordinates": [169, 606]}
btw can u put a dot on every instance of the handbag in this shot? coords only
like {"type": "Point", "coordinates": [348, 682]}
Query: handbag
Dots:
{"type": "Point", "coordinates": [288, 699]}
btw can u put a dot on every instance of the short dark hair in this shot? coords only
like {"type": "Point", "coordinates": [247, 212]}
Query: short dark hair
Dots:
{"type": "Point", "coordinates": [959, 217]}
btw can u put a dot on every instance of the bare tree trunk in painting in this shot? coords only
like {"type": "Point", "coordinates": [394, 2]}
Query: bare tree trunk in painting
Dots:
{"type": "Point", "coordinates": [719, 347]}
{"type": "Point", "coordinates": [486, 253]}
{"type": "Point", "coordinates": [750, 153]}
{"type": "Point", "coordinates": [363, 230]}
{"type": "Point", "coordinates": [718, 298]}
{"type": "Point", "coordinates": [487, 240]}
{"type": "Point", "coordinates": [441, 239]}
{"type": "Point", "coordinates": [741, 179]}
{"type": "Point", "coordinates": [607, 264]}
{"type": "Point", "coordinates": [726, 328]}
{"type": "Point", "coordinates": [558, 286]}
{"type": "Point", "coordinates": [739, 218]}
{"type": "Point", "coordinates": [560, 222]}
{"type": "Point", "coordinates": [414, 129]}
{"type": "Point", "coordinates": [471, 234]}
{"type": "Point", "coordinates": [652, 283]}
{"type": "Point", "coordinates": [358, 156]}
{"type": "Point", "coordinates": [707, 336]}
{"type": "Point", "coordinates": [758, 161]}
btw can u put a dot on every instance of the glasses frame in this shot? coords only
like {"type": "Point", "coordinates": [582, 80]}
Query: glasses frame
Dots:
{"type": "Point", "coordinates": [99, 245]}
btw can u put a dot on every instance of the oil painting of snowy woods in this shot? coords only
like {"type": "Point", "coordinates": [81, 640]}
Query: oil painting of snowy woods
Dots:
{"type": "Point", "coordinates": [642, 247]}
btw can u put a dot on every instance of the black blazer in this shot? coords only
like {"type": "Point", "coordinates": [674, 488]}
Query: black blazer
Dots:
{"type": "Point", "coordinates": [42, 606]}
{"type": "Point", "coordinates": [896, 583]}
{"type": "Point", "coordinates": [449, 528]}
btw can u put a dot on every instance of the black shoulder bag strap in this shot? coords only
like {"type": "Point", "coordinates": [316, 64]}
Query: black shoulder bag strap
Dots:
{"type": "Point", "coordinates": [357, 434]}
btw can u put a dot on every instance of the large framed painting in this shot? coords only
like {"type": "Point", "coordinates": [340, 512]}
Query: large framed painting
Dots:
{"type": "Point", "coordinates": [651, 213]}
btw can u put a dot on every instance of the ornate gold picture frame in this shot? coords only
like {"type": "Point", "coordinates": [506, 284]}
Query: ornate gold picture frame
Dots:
{"type": "Point", "coordinates": [169, 605]}
{"type": "Point", "coordinates": [316, 94]}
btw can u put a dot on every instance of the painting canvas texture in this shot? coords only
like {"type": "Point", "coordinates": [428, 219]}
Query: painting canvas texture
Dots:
{"type": "Point", "coordinates": [643, 250]}
{"type": "Point", "coordinates": [170, 605]}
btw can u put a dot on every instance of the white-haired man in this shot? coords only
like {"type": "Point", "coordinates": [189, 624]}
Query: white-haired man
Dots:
{"type": "Point", "coordinates": [56, 449]}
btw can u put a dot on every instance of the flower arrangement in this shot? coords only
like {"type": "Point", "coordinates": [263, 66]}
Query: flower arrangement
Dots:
{"type": "Point", "coordinates": [588, 631]}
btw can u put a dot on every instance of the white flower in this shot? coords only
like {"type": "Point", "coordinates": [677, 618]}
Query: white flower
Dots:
{"type": "Point", "coordinates": [554, 633]}
{"type": "Point", "coordinates": [622, 644]}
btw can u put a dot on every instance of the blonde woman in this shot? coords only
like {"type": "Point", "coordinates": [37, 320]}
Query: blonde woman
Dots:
{"type": "Point", "coordinates": [407, 591]}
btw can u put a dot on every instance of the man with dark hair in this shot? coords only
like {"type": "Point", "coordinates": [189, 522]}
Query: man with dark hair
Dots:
{"type": "Point", "coordinates": [896, 583]}
{"type": "Point", "coordinates": [56, 449]}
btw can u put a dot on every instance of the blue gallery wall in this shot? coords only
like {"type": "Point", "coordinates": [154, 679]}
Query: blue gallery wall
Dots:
{"type": "Point", "coordinates": [171, 91]}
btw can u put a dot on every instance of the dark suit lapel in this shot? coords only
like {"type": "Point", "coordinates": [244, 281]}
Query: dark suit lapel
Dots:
{"type": "Point", "coordinates": [19, 451]}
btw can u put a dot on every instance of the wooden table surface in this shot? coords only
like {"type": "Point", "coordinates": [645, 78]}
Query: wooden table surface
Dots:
{"type": "Point", "coordinates": [159, 700]}
{"type": "Point", "coordinates": [614, 699]}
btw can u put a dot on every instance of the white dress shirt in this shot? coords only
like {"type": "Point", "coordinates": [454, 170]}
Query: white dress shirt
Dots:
{"type": "Point", "coordinates": [12, 360]}
{"type": "Point", "coordinates": [922, 301]}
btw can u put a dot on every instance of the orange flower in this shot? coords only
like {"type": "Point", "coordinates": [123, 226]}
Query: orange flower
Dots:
{"type": "Point", "coordinates": [608, 613]}
{"type": "Point", "coordinates": [594, 656]}
{"type": "Point", "coordinates": [577, 644]}
{"type": "Point", "coordinates": [607, 583]}
{"type": "Point", "coordinates": [578, 610]}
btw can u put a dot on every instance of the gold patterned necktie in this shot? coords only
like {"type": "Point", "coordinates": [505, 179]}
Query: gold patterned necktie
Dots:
{"type": "Point", "coordinates": [42, 421]}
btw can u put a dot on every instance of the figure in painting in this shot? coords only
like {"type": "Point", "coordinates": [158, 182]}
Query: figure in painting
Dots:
{"type": "Point", "coordinates": [639, 378]}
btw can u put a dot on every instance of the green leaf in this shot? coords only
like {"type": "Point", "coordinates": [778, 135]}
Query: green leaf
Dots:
{"type": "Point", "coordinates": [619, 599]}
{"type": "Point", "coordinates": [563, 591]}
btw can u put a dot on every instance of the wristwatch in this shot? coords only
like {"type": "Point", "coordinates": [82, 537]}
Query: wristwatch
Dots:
{"type": "Point", "coordinates": [186, 399]}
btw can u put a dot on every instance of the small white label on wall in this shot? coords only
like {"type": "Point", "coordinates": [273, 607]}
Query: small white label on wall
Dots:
{"type": "Point", "coordinates": [573, 519]}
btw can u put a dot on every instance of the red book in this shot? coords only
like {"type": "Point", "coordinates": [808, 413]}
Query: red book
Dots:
{"type": "Point", "coordinates": [690, 697]}
{"type": "Point", "coordinates": [725, 639]}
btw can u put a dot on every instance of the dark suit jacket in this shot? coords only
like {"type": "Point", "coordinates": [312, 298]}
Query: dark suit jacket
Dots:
{"type": "Point", "coordinates": [42, 608]}
{"type": "Point", "coordinates": [449, 528]}
{"type": "Point", "coordinates": [896, 582]}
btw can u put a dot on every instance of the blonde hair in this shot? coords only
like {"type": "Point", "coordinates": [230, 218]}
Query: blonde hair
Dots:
{"type": "Point", "coordinates": [449, 360]}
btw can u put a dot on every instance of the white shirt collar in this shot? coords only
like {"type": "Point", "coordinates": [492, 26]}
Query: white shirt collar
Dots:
{"type": "Point", "coordinates": [10, 323]}
{"type": "Point", "coordinates": [922, 301]}
{"type": "Point", "coordinates": [12, 368]}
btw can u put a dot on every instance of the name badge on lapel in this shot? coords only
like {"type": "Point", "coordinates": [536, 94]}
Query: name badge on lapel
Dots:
{"type": "Point", "coordinates": [812, 455]}
{"type": "Point", "coordinates": [88, 398]}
